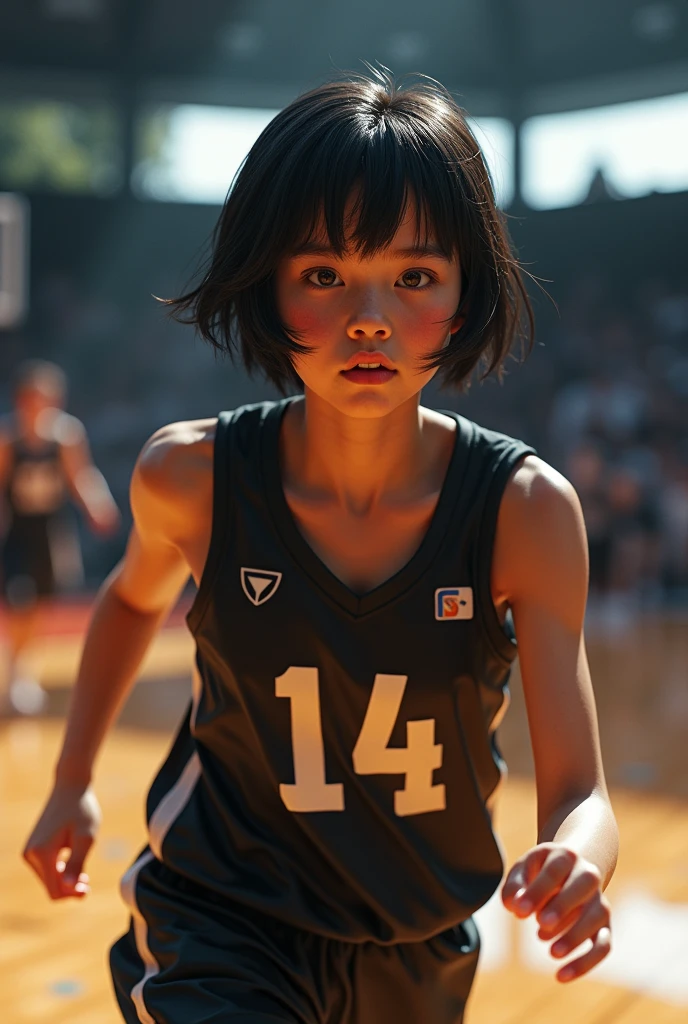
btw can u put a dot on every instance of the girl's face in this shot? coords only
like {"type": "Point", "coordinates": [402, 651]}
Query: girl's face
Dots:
{"type": "Point", "coordinates": [385, 312]}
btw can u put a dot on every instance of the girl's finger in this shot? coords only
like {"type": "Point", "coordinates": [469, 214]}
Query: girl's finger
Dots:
{"type": "Point", "coordinates": [81, 844]}
{"type": "Point", "coordinates": [523, 871]}
{"type": "Point", "coordinates": [563, 925]}
{"type": "Point", "coordinates": [514, 885]}
{"type": "Point", "coordinates": [43, 861]}
{"type": "Point", "coordinates": [547, 883]}
{"type": "Point", "coordinates": [32, 858]}
{"type": "Point", "coordinates": [51, 878]}
{"type": "Point", "coordinates": [601, 946]}
{"type": "Point", "coordinates": [577, 891]}
{"type": "Point", "coordinates": [70, 885]}
{"type": "Point", "coordinates": [593, 918]}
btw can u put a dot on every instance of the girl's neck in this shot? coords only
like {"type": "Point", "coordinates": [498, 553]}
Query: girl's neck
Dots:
{"type": "Point", "coordinates": [356, 462]}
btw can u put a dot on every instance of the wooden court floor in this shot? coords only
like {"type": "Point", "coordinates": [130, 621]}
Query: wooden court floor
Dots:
{"type": "Point", "coordinates": [53, 956]}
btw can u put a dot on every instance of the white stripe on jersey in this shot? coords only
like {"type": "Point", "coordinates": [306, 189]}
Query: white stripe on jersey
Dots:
{"type": "Point", "coordinates": [162, 819]}
{"type": "Point", "coordinates": [128, 891]}
{"type": "Point", "coordinates": [172, 804]}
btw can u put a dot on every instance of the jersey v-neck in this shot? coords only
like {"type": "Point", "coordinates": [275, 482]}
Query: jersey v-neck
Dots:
{"type": "Point", "coordinates": [303, 554]}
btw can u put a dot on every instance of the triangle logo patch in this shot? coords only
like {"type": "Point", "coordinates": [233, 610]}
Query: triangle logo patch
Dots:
{"type": "Point", "coordinates": [259, 585]}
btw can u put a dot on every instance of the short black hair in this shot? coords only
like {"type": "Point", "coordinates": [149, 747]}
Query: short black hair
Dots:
{"type": "Point", "coordinates": [386, 145]}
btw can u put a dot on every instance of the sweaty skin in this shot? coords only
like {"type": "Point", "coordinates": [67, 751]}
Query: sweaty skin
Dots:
{"type": "Point", "coordinates": [362, 467]}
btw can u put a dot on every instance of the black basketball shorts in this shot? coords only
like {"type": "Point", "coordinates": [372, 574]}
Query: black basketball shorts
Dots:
{"type": "Point", "coordinates": [39, 556]}
{"type": "Point", "coordinates": [189, 958]}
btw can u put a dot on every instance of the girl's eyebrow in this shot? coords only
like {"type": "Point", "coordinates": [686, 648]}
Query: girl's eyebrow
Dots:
{"type": "Point", "coordinates": [412, 253]}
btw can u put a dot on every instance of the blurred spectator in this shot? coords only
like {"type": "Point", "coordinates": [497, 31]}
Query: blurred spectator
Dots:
{"type": "Point", "coordinates": [612, 407]}
{"type": "Point", "coordinates": [587, 471]}
{"type": "Point", "coordinates": [673, 504]}
{"type": "Point", "coordinates": [635, 566]}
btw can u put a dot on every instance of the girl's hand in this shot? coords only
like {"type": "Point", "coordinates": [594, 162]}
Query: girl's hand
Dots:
{"type": "Point", "coordinates": [69, 821]}
{"type": "Point", "coordinates": [564, 891]}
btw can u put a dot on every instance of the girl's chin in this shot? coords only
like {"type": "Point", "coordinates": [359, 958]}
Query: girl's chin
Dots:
{"type": "Point", "coordinates": [361, 402]}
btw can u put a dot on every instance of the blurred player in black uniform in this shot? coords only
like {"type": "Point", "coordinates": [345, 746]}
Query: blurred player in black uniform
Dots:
{"type": "Point", "coordinates": [44, 462]}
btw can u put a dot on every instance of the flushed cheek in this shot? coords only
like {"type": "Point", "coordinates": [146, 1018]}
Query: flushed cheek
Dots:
{"type": "Point", "coordinates": [425, 328]}
{"type": "Point", "coordinates": [316, 331]}
{"type": "Point", "coordinates": [304, 317]}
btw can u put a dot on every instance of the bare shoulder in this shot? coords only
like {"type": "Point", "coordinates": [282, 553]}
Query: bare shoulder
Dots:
{"type": "Point", "coordinates": [440, 431]}
{"type": "Point", "coordinates": [535, 488]}
{"type": "Point", "coordinates": [540, 539]}
{"type": "Point", "coordinates": [177, 457]}
{"type": "Point", "coordinates": [171, 486]}
{"type": "Point", "coordinates": [438, 421]}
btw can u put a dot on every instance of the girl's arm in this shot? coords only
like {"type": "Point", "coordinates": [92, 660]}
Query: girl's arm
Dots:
{"type": "Point", "coordinates": [540, 564]}
{"type": "Point", "coordinates": [171, 481]}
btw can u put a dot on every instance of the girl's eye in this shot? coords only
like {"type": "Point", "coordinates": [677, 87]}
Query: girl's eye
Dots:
{"type": "Point", "coordinates": [414, 279]}
{"type": "Point", "coordinates": [324, 278]}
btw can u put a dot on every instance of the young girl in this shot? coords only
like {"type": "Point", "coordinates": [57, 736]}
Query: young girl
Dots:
{"type": "Point", "coordinates": [320, 833]}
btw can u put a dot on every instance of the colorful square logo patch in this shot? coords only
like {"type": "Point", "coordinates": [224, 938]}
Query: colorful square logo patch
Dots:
{"type": "Point", "coordinates": [454, 603]}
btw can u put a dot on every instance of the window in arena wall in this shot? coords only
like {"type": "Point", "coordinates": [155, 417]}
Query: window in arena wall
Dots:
{"type": "Point", "coordinates": [53, 145]}
{"type": "Point", "coordinates": [621, 151]}
{"type": "Point", "coordinates": [496, 138]}
{"type": "Point", "coordinates": [190, 153]}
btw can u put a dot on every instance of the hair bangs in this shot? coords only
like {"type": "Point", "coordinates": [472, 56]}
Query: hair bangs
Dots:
{"type": "Point", "coordinates": [360, 202]}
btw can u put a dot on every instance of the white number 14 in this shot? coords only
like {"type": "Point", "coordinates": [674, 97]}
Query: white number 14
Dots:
{"type": "Point", "coordinates": [371, 756]}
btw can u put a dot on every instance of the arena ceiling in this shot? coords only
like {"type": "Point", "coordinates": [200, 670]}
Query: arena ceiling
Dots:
{"type": "Point", "coordinates": [512, 57]}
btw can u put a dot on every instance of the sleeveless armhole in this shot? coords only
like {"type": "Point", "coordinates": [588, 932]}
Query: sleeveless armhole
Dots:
{"type": "Point", "coordinates": [503, 643]}
{"type": "Point", "coordinates": [220, 521]}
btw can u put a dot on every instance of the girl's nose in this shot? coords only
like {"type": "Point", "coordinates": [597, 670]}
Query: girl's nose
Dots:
{"type": "Point", "coordinates": [368, 323]}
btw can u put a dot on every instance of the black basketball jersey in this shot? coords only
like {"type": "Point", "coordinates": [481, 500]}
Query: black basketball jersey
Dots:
{"type": "Point", "coordinates": [338, 758]}
{"type": "Point", "coordinates": [36, 483]}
